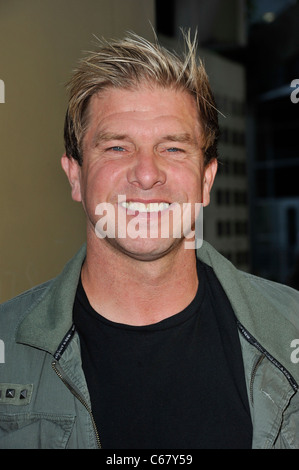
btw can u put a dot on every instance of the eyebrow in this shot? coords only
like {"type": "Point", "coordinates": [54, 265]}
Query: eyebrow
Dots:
{"type": "Point", "coordinates": [106, 136]}
{"type": "Point", "coordinates": [184, 138]}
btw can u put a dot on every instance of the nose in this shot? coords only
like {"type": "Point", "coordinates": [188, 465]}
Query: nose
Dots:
{"type": "Point", "coordinates": [147, 170]}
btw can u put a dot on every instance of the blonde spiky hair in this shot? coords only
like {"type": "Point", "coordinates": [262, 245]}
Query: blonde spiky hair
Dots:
{"type": "Point", "coordinates": [129, 62]}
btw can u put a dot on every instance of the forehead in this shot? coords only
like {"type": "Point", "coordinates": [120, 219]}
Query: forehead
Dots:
{"type": "Point", "coordinates": [143, 106]}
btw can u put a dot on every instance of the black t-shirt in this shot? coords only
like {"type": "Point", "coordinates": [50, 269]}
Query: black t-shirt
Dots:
{"type": "Point", "coordinates": [176, 384]}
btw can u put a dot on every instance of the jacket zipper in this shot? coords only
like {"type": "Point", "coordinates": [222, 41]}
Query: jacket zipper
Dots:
{"type": "Point", "coordinates": [80, 398]}
{"type": "Point", "coordinates": [266, 354]}
{"type": "Point", "coordinates": [255, 367]}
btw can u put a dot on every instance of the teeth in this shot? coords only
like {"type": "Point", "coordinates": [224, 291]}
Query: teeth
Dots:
{"type": "Point", "coordinates": [141, 207]}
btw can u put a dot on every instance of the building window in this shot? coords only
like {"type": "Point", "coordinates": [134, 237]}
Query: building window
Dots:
{"type": "Point", "coordinates": [224, 167]}
{"type": "Point", "coordinates": [241, 227]}
{"type": "Point", "coordinates": [232, 136]}
{"type": "Point", "coordinates": [240, 198]}
{"type": "Point", "coordinates": [224, 228]}
{"type": "Point", "coordinates": [223, 197]}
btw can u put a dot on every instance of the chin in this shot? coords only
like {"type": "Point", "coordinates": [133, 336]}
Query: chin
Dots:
{"type": "Point", "coordinates": [146, 250]}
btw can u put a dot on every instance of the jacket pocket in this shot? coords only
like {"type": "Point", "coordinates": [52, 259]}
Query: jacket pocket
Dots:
{"type": "Point", "coordinates": [35, 431]}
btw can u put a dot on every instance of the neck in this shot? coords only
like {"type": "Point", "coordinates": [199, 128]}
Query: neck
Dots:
{"type": "Point", "coordinates": [136, 292]}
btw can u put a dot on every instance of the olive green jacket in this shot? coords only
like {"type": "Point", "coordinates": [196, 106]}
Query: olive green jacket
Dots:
{"type": "Point", "coordinates": [44, 400]}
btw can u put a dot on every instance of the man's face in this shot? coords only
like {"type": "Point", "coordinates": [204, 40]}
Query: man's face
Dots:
{"type": "Point", "coordinates": [142, 158]}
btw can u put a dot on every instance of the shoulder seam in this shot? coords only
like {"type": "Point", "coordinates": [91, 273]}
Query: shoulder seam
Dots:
{"type": "Point", "coordinates": [31, 291]}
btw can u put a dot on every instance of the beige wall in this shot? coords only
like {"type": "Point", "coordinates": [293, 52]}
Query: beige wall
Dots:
{"type": "Point", "coordinates": [40, 42]}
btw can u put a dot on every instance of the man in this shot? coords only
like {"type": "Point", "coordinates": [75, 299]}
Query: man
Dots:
{"type": "Point", "coordinates": [139, 343]}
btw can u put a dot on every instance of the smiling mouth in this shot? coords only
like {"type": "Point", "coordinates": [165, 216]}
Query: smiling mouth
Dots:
{"type": "Point", "coordinates": [145, 207]}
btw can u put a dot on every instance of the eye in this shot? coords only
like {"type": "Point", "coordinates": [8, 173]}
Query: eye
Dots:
{"type": "Point", "coordinates": [117, 148]}
{"type": "Point", "coordinates": [174, 149]}
{"type": "Point", "coordinates": [172, 152]}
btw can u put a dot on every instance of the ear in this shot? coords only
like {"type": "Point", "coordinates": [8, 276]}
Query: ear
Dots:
{"type": "Point", "coordinates": [72, 170]}
{"type": "Point", "coordinates": [210, 171]}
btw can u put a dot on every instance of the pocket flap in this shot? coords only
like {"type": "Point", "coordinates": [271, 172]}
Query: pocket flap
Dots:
{"type": "Point", "coordinates": [35, 431]}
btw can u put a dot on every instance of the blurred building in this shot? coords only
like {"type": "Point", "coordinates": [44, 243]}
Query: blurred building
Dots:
{"type": "Point", "coordinates": [221, 27]}
{"type": "Point", "coordinates": [251, 50]}
{"type": "Point", "coordinates": [273, 64]}
{"type": "Point", "coordinates": [226, 219]}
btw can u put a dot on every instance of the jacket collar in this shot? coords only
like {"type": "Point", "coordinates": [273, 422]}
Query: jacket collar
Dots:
{"type": "Point", "coordinates": [266, 309]}
{"type": "Point", "coordinates": [50, 317]}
